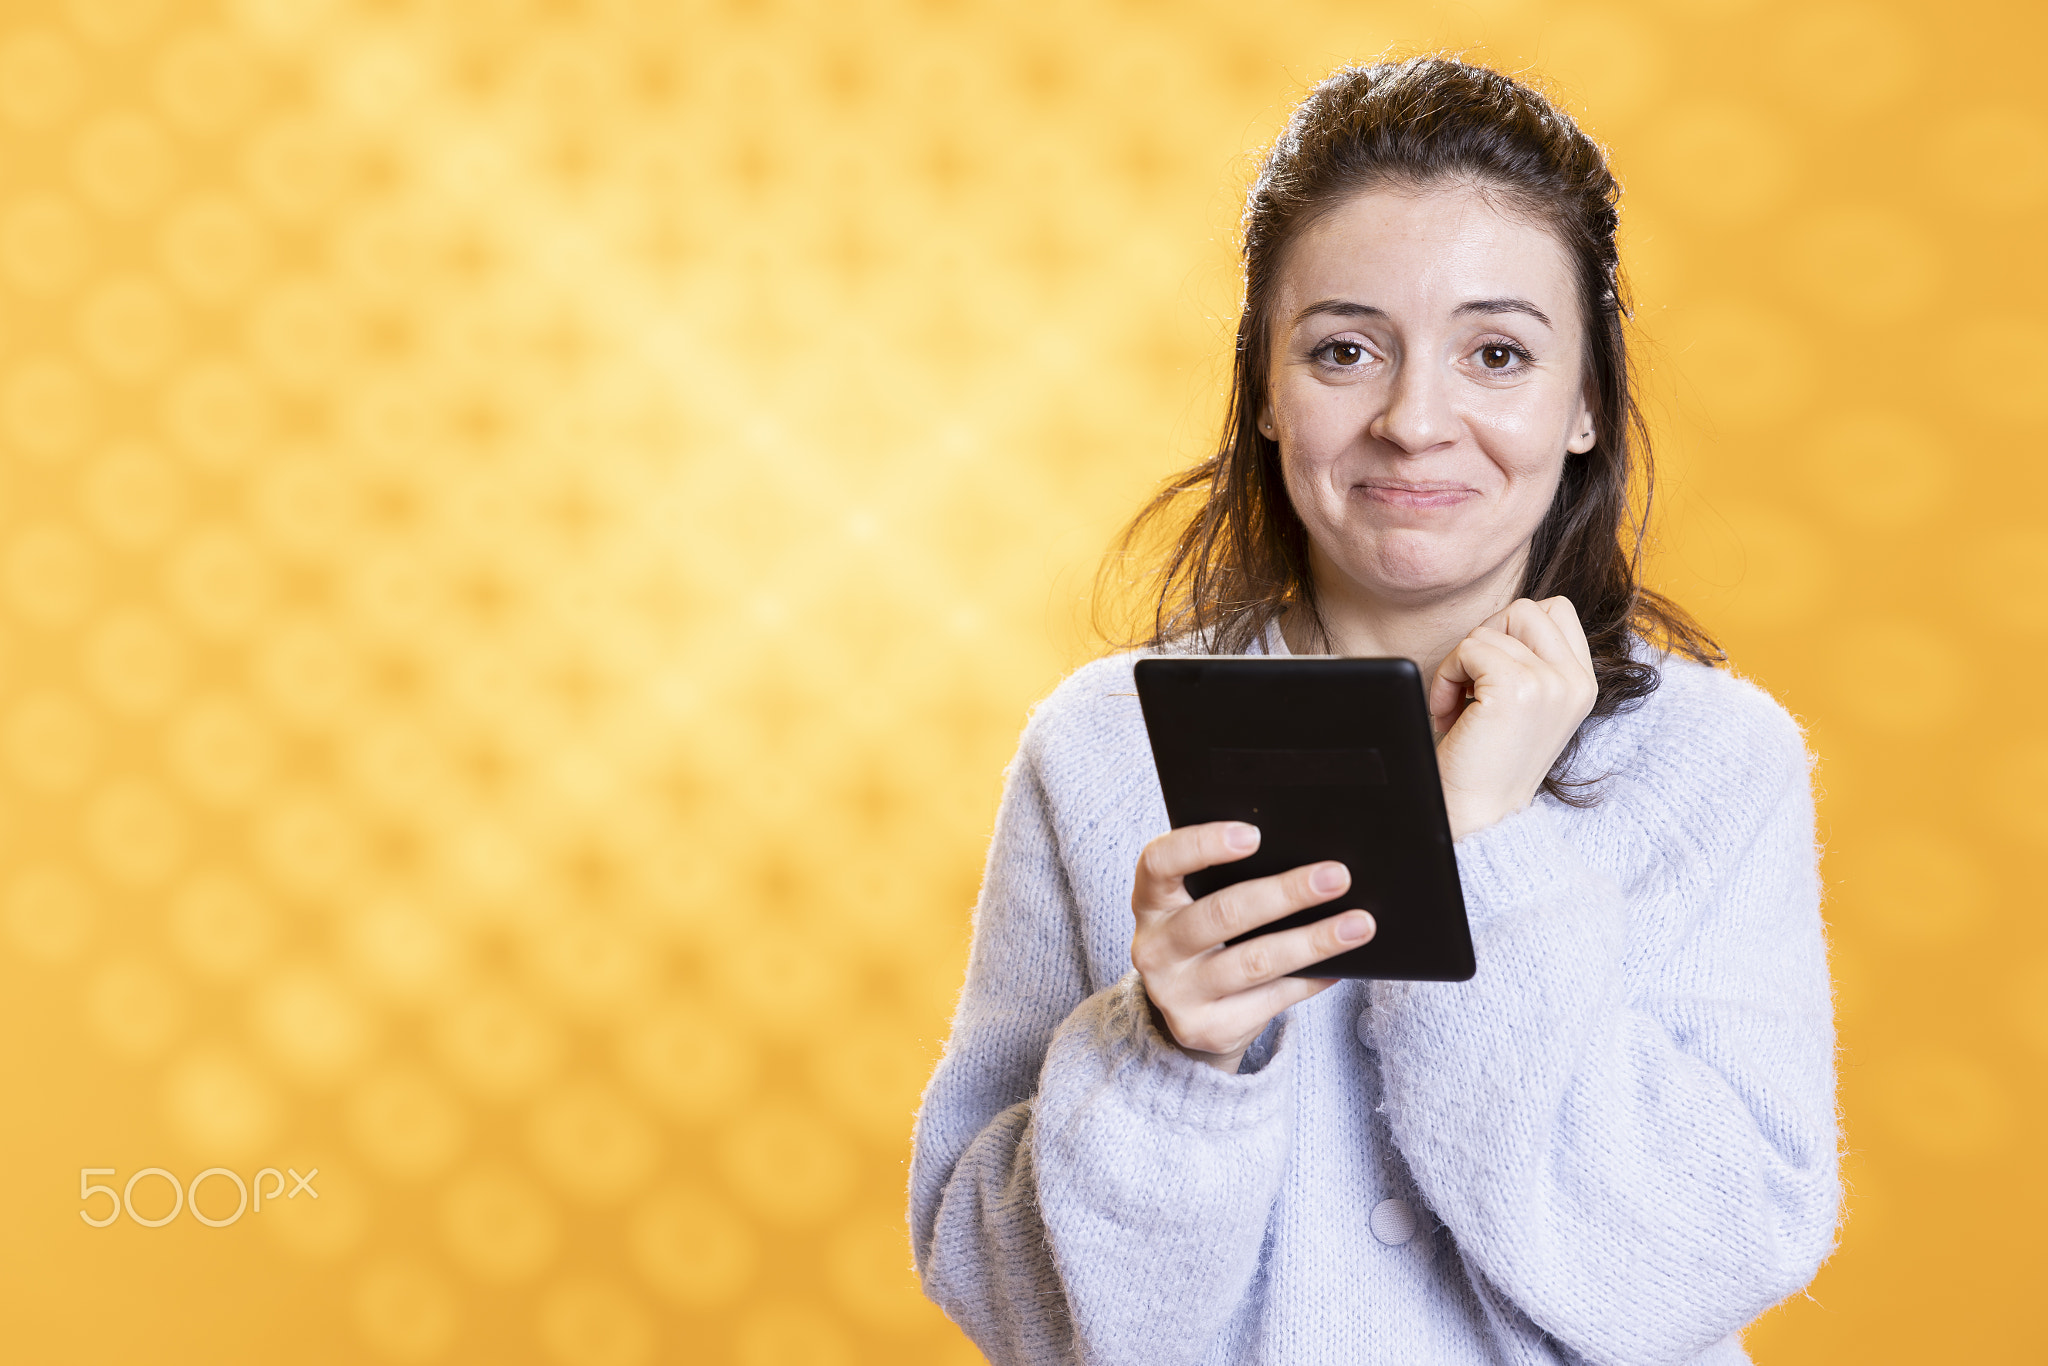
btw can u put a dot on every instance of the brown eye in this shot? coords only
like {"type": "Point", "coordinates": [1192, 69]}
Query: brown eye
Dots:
{"type": "Point", "coordinates": [1496, 357]}
{"type": "Point", "coordinates": [1346, 353]}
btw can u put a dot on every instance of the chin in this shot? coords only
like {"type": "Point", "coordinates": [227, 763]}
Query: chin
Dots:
{"type": "Point", "coordinates": [1408, 566]}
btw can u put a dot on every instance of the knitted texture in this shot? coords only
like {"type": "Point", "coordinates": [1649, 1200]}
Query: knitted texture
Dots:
{"type": "Point", "coordinates": [1617, 1143]}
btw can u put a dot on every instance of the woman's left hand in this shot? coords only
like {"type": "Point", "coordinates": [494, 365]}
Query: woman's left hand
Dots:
{"type": "Point", "coordinates": [1506, 701]}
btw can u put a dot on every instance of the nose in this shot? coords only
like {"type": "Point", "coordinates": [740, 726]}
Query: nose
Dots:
{"type": "Point", "coordinates": [1415, 414]}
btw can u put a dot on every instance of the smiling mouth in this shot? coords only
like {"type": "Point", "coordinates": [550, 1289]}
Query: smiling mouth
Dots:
{"type": "Point", "coordinates": [1403, 493]}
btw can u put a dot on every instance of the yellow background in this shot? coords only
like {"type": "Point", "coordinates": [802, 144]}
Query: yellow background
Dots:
{"type": "Point", "coordinates": [528, 530]}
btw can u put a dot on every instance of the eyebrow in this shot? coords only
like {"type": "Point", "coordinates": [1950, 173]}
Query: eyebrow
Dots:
{"type": "Point", "coordinates": [1345, 308]}
{"type": "Point", "coordinates": [1503, 306]}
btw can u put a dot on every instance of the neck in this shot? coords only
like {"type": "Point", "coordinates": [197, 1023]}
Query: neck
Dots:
{"type": "Point", "coordinates": [1358, 621]}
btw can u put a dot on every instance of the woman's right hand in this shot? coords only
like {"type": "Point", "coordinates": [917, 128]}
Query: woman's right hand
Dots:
{"type": "Point", "coordinates": [1214, 999]}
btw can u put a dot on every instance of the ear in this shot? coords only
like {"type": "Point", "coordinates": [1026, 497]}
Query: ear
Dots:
{"type": "Point", "coordinates": [1266, 428]}
{"type": "Point", "coordinates": [1584, 430]}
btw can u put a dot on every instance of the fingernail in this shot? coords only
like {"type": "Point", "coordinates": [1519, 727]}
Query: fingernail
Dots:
{"type": "Point", "coordinates": [1353, 926]}
{"type": "Point", "coordinates": [1241, 838]}
{"type": "Point", "coordinates": [1330, 877]}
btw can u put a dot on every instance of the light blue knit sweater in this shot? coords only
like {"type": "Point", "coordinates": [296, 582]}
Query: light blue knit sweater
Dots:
{"type": "Point", "coordinates": [1615, 1144]}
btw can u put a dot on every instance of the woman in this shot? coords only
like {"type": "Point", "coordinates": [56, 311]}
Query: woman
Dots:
{"type": "Point", "coordinates": [1617, 1142]}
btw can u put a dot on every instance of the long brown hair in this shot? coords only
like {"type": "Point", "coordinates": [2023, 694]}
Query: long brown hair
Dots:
{"type": "Point", "coordinates": [1236, 553]}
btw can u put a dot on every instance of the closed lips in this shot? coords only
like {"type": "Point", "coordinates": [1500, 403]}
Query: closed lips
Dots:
{"type": "Point", "coordinates": [1416, 495]}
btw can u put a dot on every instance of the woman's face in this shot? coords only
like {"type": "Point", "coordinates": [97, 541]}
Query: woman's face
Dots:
{"type": "Point", "coordinates": [1427, 381]}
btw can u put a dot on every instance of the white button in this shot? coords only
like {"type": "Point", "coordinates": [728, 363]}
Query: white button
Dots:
{"type": "Point", "coordinates": [1393, 1222]}
{"type": "Point", "coordinates": [1365, 1028]}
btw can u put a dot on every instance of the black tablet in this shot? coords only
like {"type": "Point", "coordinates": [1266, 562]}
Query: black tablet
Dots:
{"type": "Point", "coordinates": [1332, 759]}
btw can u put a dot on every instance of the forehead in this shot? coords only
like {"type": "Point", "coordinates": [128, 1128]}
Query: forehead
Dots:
{"type": "Point", "coordinates": [1427, 250]}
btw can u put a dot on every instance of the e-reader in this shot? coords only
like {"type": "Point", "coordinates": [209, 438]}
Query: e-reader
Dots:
{"type": "Point", "coordinates": [1331, 758]}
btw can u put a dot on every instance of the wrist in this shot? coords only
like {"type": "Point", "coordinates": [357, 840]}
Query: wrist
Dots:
{"type": "Point", "coordinates": [1468, 815]}
{"type": "Point", "coordinates": [1471, 819]}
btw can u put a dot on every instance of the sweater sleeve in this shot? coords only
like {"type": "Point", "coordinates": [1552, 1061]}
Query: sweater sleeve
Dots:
{"type": "Point", "coordinates": [1627, 1118]}
{"type": "Point", "coordinates": [1081, 1190]}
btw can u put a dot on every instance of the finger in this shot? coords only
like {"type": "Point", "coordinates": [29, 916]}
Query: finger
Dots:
{"type": "Point", "coordinates": [1566, 616]}
{"type": "Point", "coordinates": [1449, 688]}
{"type": "Point", "coordinates": [1533, 625]}
{"type": "Point", "coordinates": [1260, 960]}
{"type": "Point", "coordinates": [1253, 1008]}
{"type": "Point", "coordinates": [1462, 666]}
{"type": "Point", "coordinates": [1481, 660]}
{"type": "Point", "coordinates": [1551, 629]}
{"type": "Point", "coordinates": [1235, 910]}
{"type": "Point", "coordinates": [1167, 860]}
{"type": "Point", "coordinates": [1481, 654]}
{"type": "Point", "coordinates": [1495, 656]}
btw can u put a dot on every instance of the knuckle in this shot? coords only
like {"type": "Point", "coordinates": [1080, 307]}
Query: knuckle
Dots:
{"type": "Point", "coordinates": [1227, 915]}
{"type": "Point", "coordinates": [1175, 1026]}
{"type": "Point", "coordinates": [1170, 1011]}
{"type": "Point", "coordinates": [1256, 964]}
{"type": "Point", "coordinates": [1202, 1037]}
{"type": "Point", "coordinates": [1145, 955]}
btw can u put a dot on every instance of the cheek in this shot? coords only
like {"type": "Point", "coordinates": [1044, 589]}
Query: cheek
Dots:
{"type": "Point", "coordinates": [1315, 440]}
{"type": "Point", "coordinates": [1307, 415]}
{"type": "Point", "coordinates": [1525, 445]}
{"type": "Point", "coordinates": [1535, 423]}
{"type": "Point", "coordinates": [1311, 483]}
{"type": "Point", "coordinates": [1296, 481]}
